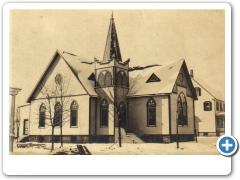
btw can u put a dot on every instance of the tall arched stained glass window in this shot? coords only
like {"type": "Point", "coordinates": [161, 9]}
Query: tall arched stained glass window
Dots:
{"type": "Point", "coordinates": [57, 114]}
{"type": "Point", "coordinates": [42, 115]}
{"type": "Point", "coordinates": [74, 114]}
{"type": "Point", "coordinates": [182, 109]}
{"type": "Point", "coordinates": [104, 113]}
{"type": "Point", "coordinates": [151, 112]}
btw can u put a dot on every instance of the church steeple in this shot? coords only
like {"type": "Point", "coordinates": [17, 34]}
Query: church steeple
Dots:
{"type": "Point", "coordinates": [112, 49]}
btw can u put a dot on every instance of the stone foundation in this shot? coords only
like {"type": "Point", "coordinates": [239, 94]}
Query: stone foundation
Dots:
{"type": "Point", "coordinates": [102, 139]}
{"type": "Point", "coordinates": [110, 138]}
{"type": "Point", "coordinates": [210, 134]}
{"type": "Point", "coordinates": [183, 137]}
{"type": "Point", "coordinates": [57, 139]}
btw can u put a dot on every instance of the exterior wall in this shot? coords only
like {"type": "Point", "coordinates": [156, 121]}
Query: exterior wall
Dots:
{"type": "Point", "coordinates": [205, 120]}
{"type": "Point", "coordinates": [82, 123]}
{"type": "Point", "coordinates": [58, 67]}
{"type": "Point", "coordinates": [93, 105]}
{"type": "Point", "coordinates": [187, 129]}
{"type": "Point", "coordinates": [138, 115]}
{"type": "Point", "coordinates": [75, 91]}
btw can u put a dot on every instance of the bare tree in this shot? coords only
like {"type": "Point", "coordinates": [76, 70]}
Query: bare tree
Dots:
{"type": "Point", "coordinates": [133, 85]}
{"type": "Point", "coordinates": [56, 109]}
{"type": "Point", "coordinates": [117, 113]}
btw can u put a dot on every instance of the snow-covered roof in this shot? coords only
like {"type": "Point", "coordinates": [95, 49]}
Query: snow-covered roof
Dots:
{"type": "Point", "coordinates": [82, 68]}
{"type": "Point", "coordinates": [167, 73]}
{"type": "Point", "coordinates": [197, 82]}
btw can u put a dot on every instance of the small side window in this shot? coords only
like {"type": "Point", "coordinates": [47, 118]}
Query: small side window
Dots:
{"type": "Point", "coordinates": [198, 91]}
{"type": "Point", "coordinates": [207, 106]}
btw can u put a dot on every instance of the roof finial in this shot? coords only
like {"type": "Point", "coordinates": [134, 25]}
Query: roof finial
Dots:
{"type": "Point", "coordinates": [112, 13]}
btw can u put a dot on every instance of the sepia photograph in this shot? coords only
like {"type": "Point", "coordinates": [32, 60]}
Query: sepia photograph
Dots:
{"type": "Point", "coordinates": [116, 81]}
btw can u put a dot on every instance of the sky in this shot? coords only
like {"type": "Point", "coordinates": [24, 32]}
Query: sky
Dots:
{"type": "Point", "coordinates": [145, 36]}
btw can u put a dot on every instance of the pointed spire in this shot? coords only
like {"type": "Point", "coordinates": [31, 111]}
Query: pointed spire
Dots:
{"type": "Point", "coordinates": [112, 49]}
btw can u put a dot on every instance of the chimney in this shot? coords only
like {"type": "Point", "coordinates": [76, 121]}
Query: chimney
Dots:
{"type": "Point", "coordinates": [191, 73]}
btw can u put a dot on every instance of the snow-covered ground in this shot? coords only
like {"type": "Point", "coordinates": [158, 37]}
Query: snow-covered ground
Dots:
{"type": "Point", "coordinates": [204, 146]}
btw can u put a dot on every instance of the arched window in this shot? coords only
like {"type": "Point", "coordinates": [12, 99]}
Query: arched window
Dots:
{"type": "Point", "coordinates": [151, 112]}
{"type": "Point", "coordinates": [108, 79]}
{"type": "Point", "coordinates": [119, 79]}
{"type": "Point", "coordinates": [74, 114]}
{"type": "Point", "coordinates": [104, 113]}
{"type": "Point", "coordinates": [42, 115]}
{"type": "Point", "coordinates": [57, 114]}
{"type": "Point", "coordinates": [101, 79]}
{"type": "Point", "coordinates": [182, 110]}
{"type": "Point", "coordinates": [124, 80]}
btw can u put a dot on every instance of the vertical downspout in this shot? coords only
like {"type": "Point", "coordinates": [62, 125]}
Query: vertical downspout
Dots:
{"type": "Point", "coordinates": [95, 116]}
{"type": "Point", "coordinates": [90, 110]}
{"type": "Point", "coordinates": [169, 115]}
{"type": "Point", "coordinates": [194, 120]}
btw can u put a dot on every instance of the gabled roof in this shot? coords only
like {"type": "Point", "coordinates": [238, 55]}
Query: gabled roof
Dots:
{"type": "Point", "coordinates": [197, 82]}
{"type": "Point", "coordinates": [167, 73]}
{"type": "Point", "coordinates": [81, 68]}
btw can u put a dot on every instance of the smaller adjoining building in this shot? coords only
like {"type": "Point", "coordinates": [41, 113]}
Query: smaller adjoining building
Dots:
{"type": "Point", "coordinates": [13, 93]}
{"type": "Point", "coordinates": [209, 109]}
{"type": "Point", "coordinates": [23, 114]}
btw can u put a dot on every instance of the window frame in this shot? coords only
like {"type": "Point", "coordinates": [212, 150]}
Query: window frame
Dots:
{"type": "Point", "coordinates": [24, 127]}
{"type": "Point", "coordinates": [210, 106]}
{"type": "Point", "coordinates": [42, 116]}
{"type": "Point", "coordinates": [104, 107]}
{"type": "Point", "coordinates": [105, 79]}
{"type": "Point", "coordinates": [217, 106]}
{"type": "Point", "coordinates": [55, 112]}
{"type": "Point", "coordinates": [198, 91]}
{"type": "Point", "coordinates": [75, 109]}
{"type": "Point", "coordinates": [122, 80]}
{"type": "Point", "coordinates": [180, 109]}
{"type": "Point", "coordinates": [101, 75]}
{"type": "Point", "coordinates": [151, 107]}
{"type": "Point", "coordinates": [220, 122]}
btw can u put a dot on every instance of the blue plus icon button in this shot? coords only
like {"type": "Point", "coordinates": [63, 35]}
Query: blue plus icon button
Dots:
{"type": "Point", "coordinates": [227, 145]}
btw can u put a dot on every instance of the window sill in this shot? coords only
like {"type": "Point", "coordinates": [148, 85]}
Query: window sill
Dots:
{"type": "Point", "coordinates": [182, 125]}
{"type": "Point", "coordinates": [41, 127]}
{"type": "Point", "coordinates": [103, 126]}
{"type": "Point", "coordinates": [73, 127]}
{"type": "Point", "coordinates": [151, 126]}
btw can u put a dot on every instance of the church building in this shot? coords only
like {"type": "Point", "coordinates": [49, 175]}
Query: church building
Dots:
{"type": "Point", "coordinates": [87, 101]}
